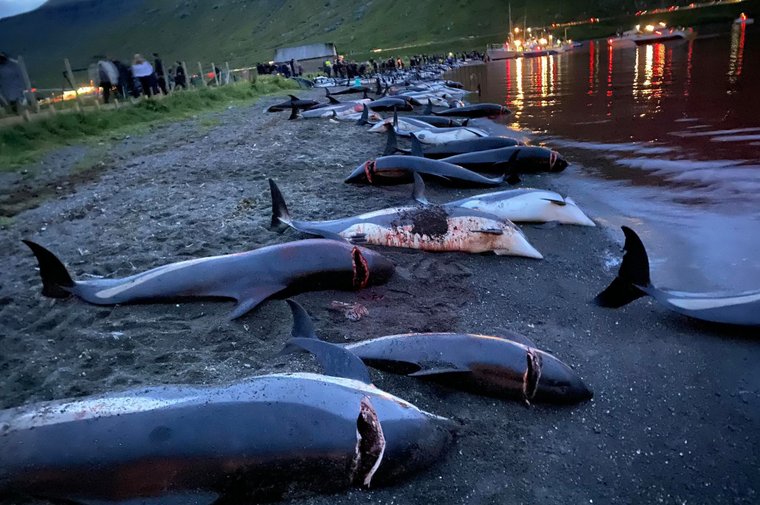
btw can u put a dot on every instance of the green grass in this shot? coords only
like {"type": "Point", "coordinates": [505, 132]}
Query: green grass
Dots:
{"type": "Point", "coordinates": [26, 142]}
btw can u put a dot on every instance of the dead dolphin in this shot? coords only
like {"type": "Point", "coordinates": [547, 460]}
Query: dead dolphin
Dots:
{"type": "Point", "coordinates": [249, 277]}
{"type": "Point", "coordinates": [467, 146]}
{"type": "Point", "coordinates": [505, 366]}
{"type": "Point", "coordinates": [515, 159]}
{"type": "Point", "coordinates": [525, 205]}
{"type": "Point", "coordinates": [397, 169]}
{"type": "Point", "coordinates": [267, 437]}
{"type": "Point", "coordinates": [472, 111]}
{"type": "Point", "coordinates": [632, 282]}
{"type": "Point", "coordinates": [294, 102]}
{"type": "Point", "coordinates": [429, 228]}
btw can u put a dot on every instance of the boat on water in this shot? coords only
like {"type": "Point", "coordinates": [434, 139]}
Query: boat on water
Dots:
{"type": "Point", "coordinates": [529, 48]}
{"type": "Point", "coordinates": [651, 34]}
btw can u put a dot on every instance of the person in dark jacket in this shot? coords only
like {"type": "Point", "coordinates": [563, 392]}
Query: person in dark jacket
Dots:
{"type": "Point", "coordinates": [180, 78]}
{"type": "Point", "coordinates": [158, 66]}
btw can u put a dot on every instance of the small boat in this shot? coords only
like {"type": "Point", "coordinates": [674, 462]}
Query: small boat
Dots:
{"type": "Point", "coordinates": [651, 34]}
{"type": "Point", "coordinates": [496, 52]}
{"type": "Point", "coordinates": [743, 20]}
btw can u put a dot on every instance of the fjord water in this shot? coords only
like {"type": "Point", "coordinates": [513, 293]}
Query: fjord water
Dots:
{"type": "Point", "coordinates": [663, 138]}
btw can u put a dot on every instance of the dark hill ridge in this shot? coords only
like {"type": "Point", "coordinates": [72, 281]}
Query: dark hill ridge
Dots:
{"type": "Point", "coordinates": [245, 31]}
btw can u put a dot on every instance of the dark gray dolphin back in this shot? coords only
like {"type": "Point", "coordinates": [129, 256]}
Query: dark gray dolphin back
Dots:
{"type": "Point", "coordinates": [336, 360]}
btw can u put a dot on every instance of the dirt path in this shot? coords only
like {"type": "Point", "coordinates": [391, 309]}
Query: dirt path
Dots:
{"type": "Point", "coordinates": [676, 410]}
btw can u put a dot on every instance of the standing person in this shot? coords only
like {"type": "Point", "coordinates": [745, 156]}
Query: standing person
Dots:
{"type": "Point", "coordinates": [143, 72]}
{"type": "Point", "coordinates": [12, 85]}
{"type": "Point", "coordinates": [328, 68]}
{"type": "Point", "coordinates": [158, 66]}
{"type": "Point", "coordinates": [180, 78]}
{"type": "Point", "coordinates": [108, 77]}
{"type": "Point", "coordinates": [125, 84]}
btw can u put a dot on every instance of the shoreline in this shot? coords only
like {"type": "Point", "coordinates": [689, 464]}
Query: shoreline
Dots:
{"type": "Point", "coordinates": [676, 402]}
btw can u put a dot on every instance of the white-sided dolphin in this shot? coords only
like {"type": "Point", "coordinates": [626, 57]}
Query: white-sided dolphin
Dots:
{"type": "Point", "coordinates": [505, 366]}
{"type": "Point", "coordinates": [248, 277]}
{"type": "Point", "coordinates": [257, 439]}
{"type": "Point", "coordinates": [425, 227]}
{"type": "Point", "coordinates": [525, 205]}
{"type": "Point", "coordinates": [633, 282]}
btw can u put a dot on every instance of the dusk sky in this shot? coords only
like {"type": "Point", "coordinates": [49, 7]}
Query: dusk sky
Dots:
{"type": "Point", "coordinates": [13, 7]}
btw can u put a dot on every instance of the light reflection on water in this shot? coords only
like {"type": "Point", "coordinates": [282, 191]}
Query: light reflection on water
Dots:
{"type": "Point", "coordinates": [665, 137]}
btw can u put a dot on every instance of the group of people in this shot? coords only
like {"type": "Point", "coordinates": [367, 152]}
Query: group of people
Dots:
{"type": "Point", "coordinates": [287, 69]}
{"type": "Point", "coordinates": [141, 77]}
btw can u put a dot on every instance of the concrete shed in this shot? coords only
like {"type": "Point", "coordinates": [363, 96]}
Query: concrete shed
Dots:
{"type": "Point", "coordinates": [311, 56]}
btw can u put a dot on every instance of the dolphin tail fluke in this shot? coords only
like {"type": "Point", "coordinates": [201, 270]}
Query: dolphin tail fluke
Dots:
{"type": "Point", "coordinates": [280, 215]}
{"type": "Point", "coordinates": [336, 361]}
{"type": "Point", "coordinates": [365, 116]}
{"type": "Point", "coordinates": [395, 119]}
{"type": "Point", "coordinates": [416, 147]}
{"type": "Point", "coordinates": [428, 108]}
{"type": "Point", "coordinates": [56, 281]}
{"type": "Point", "coordinates": [364, 96]}
{"type": "Point", "coordinates": [391, 145]}
{"type": "Point", "coordinates": [466, 122]}
{"type": "Point", "coordinates": [633, 274]}
{"type": "Point", "coordinates": [418, 193]}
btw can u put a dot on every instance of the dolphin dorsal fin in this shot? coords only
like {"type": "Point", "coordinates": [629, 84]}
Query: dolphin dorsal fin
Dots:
{"type": "Point", "coordinates": [428, 107]}
{"type": "Point", "coordinates": [418, 193]}
{"type": "Point", "coordinates": [336, 360]}
{"type": "Point", "coordinates": [333, 100]}
{"type": "Point", "coordinates": [416, 146]}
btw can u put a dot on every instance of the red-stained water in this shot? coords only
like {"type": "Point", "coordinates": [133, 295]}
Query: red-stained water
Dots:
{"type": "Point", "coordinates": [664, 138]}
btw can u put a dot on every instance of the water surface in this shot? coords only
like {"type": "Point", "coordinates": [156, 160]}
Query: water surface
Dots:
{"type": "Point", "coordinates": [664, 138]}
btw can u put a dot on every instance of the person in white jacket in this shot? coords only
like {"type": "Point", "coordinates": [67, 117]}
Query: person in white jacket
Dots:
{"type": "Point", "coordinates": [106, 75]}
{"type": "Point", "coordinates": [143, 72]}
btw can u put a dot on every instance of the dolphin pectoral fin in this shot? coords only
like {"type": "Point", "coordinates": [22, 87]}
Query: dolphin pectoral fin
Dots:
{"type": "Point", "coordinates": [253, 297]}
{"type": "Point", "coordinates": [293, 113]}
{"type": "Point", "coordinates": [555, 201]}
{"type": "Point", "coordinates": [490, 231]}
{"type": "Point", "coordinates": [187, 498]}
{"type": "Point", "coordinates": [438, 370]}
{"type": "Point", "coordinates": [514, 337]}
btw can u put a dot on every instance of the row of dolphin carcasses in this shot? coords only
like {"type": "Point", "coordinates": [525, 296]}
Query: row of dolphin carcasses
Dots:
{"type": "Point", "coordinates": [281, 433]}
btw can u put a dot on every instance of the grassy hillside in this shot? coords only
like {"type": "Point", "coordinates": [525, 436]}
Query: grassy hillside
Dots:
{"type": "Point", "coordinates": [245, 31]}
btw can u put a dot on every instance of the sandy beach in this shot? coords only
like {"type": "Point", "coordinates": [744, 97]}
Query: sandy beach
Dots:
{"type": "Point", "coordinates": [676, 409]}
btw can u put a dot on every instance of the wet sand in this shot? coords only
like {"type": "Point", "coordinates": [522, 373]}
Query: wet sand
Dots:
{"type": "Point", "coordinates": [676, 410]}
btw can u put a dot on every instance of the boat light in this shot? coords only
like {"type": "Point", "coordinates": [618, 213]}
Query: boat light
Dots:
{"type": "Point", "coordinates": [517, 30]}
{"type": "Point", "coordinates": [542, 41]}
{"type": "Point", "coordinates": [649, 28]}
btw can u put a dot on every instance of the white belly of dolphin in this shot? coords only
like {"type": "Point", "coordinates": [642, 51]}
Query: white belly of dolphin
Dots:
{"type": "Point", "coordinates": [450, 135]}
{"type": "Point", "coordinates": [465, 234]}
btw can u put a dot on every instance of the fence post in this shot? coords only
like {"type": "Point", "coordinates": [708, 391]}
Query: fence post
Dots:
{"type": "Point", "coordinates": [203, 79]}
{"type": "Point", "coordinates": [28, 84]}
{"type": "Point", "coordinates": [187, 76]}
{"type": "Point", "coordinates": [70, 77]}
{"type": "Point", "coordinates": [229, 75]}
